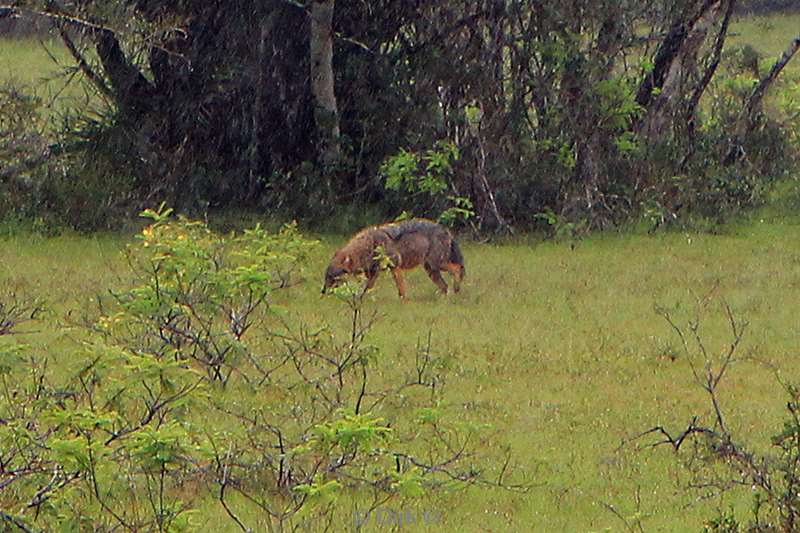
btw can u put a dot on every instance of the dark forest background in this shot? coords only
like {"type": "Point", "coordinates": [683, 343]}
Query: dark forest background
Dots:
{"type": "Point", "coordinates": [503, 113]}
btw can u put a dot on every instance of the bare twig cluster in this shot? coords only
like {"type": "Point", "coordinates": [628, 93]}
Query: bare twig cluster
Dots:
{"type": "Point", "coordinates": [775, 477]}
{"type": "Point", "coordinates": [16, 309]}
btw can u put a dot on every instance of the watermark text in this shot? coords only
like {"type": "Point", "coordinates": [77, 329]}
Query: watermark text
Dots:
{"type": "Point", "coordinates": [396, 517]}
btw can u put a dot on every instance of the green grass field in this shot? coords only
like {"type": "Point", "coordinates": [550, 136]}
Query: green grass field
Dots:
{"type": "Point", "coordinates": [561, 348]}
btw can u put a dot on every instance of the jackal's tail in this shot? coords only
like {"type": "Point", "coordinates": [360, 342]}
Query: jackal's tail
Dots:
{"type": "Point", "coordinates": [456, 257]}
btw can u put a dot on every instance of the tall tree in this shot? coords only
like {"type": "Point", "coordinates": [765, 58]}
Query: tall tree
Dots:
{"type": "Point", "coordinates": [326, 114]}
{"type": "Point", "coordinates": [679, 73]}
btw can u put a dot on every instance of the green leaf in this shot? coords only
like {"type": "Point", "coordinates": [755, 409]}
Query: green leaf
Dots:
{"type": "Point", "coordinates": [358, 431]}
{"type": "Point", "coordinates": [73, 453]}
{"type": "Point", "coordinates": [409, 485]}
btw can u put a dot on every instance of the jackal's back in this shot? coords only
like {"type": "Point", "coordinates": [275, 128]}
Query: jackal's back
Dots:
{"type": "Point", "coordinates": [396, 230]}
{"type": "Point", "coordinates": [411, 236]}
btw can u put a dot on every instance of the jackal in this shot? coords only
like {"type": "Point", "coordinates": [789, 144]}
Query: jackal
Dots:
{"type": "Point", "coordinates": [399, 246]}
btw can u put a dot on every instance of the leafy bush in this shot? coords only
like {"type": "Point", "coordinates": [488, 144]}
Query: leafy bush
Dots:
{"type": "Point", "coordinates": [424, 180]}
{"type": "Point", "coordinates": [21, 144]}
{"type": "Point", "coordinates": [53, 176]}
{"type": "Point", "coordinates": [193, 385]}
{"type": "Point", "coordinates": [705, 187]}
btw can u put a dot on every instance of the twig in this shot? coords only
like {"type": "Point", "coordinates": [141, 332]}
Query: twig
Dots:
{"type": "Point", "coordinates": [5, 517]}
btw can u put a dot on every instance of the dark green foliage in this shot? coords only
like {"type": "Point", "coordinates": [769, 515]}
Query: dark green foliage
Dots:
{"type": "Point", "coordinates": [21, 145]}
{"type": "Point", "coordinates": [567, 107]}
{"type": "Point", "coordinates": [704, 185]}
{"type": "Point", "coordinates": [82, 177]}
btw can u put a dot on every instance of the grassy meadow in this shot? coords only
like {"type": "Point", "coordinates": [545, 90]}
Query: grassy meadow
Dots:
{"type": "Point", "coordinates": [560, 348]}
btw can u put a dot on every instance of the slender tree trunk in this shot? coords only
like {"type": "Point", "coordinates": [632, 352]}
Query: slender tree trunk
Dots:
{"type": "Point", "coordinates": [668, 51]}
{"type": "Point", "coordinates": [86, 69]}
{"type": "Point", "coordinates": [747, 120]}
{"type": "Point", "coordinates": [690, 109]}
{"type": "Point", "coordinates": [127, 86]}
{"type": "Point", "coordinates": [492, 127]}
{"type": "Point", "coordinates": [258, 108]}
{"type": "Point", "coordinates": [754, 102]}
{"type": "Point", "coordinates": [132, 91]}
{"type": "Point", "coordinates": [489, 211]}
{"type": "Point", "coordinates": [322, 81]}
{"type": "Point", "coordinates": [584, 195]}
{"type": "Point", "coordinates": [673, 85]}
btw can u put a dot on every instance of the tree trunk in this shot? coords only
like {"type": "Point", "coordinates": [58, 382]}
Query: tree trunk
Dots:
{"type": "Point", "coordinates": [129, 89]}
{"type": "Point", "coordinates": [86, 69]}
{"type": "Point", "coordinates": [668, 51]}
{"type": "Point", "coordinates": [491, 130]}
{"type": "Point", "coordinates": [132, 92]}
{"type": "Point", "coordinates": [322, 81]}
{"type": "Point", "coordinates": [254, 150]}
{"type": "Point", "coordinates": [487, 205]}
{"type": "Point", "coordinates": [711, 69]}
{"type": "Point", "coordinates": [583, 196]}
{"type": "Point", "coordinates": [673, 84]}
{"type": "Point", "coordinates": [747, 120]}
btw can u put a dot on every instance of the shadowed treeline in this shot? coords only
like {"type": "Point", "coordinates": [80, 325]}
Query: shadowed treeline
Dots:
{"type": "Point", "coordinates": [566, 117]}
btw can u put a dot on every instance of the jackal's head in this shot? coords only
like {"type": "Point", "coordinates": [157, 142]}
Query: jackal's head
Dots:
{"type": "Point", "coordinates": [340, 266]}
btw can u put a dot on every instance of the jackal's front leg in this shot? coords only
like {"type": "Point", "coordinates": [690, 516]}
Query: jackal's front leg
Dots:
{"type": "Point", "coordinates": [400, 282]}
{"type": "Point", "coordinates": [372, 277]}
{"type": "Point", "coordinates": [458, 274]}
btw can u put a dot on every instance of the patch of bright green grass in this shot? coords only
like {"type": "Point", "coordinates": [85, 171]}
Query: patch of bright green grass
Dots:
{"type": "Point", "coordinates": [560, 347]}
{"type": "Point", "coordinates": [770, 35]}
{"type": "Point", "coordinates": [45, 67]}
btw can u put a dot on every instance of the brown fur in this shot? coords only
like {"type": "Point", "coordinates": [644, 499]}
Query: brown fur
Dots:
{"type": "Point", "coordinates": [407, 245]}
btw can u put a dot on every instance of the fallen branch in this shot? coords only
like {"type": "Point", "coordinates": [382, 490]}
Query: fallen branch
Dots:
{"type": "Point", "coordinates": [13, 520]}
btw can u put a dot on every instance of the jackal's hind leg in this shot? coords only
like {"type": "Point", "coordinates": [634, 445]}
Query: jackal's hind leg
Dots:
{"type": "Point", "coordinates": [400, 282]}
{"type": "Point", "coordinates": [436, 277]}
